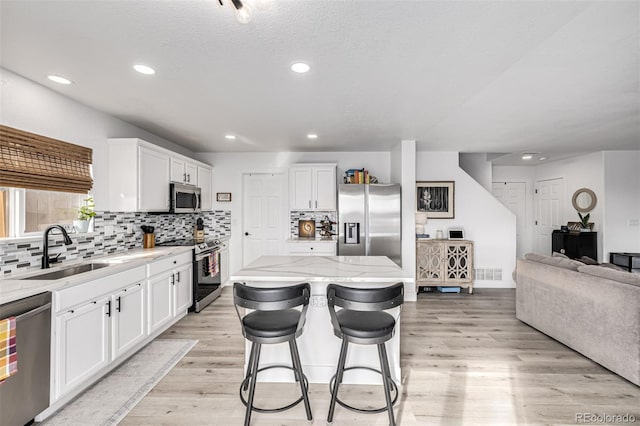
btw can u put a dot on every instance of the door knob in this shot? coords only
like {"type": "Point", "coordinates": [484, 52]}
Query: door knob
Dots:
{"type": "Point", "coordinates": [246, 233]}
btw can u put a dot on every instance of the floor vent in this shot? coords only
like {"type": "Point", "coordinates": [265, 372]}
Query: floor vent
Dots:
{"type": "Point", "coordinates": [490, 274]}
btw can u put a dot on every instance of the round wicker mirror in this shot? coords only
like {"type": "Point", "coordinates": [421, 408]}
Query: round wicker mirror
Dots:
{"type": "Point", "coordinates": [584, 200]}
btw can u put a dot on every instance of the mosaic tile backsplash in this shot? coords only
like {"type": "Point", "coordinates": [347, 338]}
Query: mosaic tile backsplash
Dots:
{"type": "Point", "coordinates": [111, 235]}
{"type": "Point", "coordinates": [295, 216]}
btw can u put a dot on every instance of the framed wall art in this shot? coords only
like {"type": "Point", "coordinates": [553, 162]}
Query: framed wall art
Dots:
{"type": "Point", "coordinates": [437, 199]}
{"type": "Point", "coordinates": [223, 196]}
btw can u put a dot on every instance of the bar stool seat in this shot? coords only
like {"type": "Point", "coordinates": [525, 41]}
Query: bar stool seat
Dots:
{"type": "Point", "coordinates": [271, 324]}
{"type": "Point", "coordinates": [366, 325]}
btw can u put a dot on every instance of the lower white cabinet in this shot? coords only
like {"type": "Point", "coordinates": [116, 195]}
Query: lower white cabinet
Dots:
{"type": "Point", "coordinates": [128, 319]}
{"type": "Point", "coordinates": [170, 294]}
{"type": "Point", "coordinates": [224, 265]}
{"type": "Point", "coordinates": [102, 321]}
{"type": "Point", "coordinates": [321, 248]}
{"type": "Point", "coordinates": [82, 343]}
{"type": "Point", "coordinates": [160, 300]}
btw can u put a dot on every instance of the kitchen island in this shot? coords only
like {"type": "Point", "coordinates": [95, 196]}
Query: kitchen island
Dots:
{"type": "Point", "coordinates": [319, 347]}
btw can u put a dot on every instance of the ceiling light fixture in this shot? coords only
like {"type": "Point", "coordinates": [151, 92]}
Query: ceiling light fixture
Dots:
{"type": "Point", "coordinates": [300, 67]}
{"type": "Point", "coordinates": [144, 69]}
{"type": "Point", "coordinates": [527, 156]}
{"type": "Point", "coordinates": [312, 136]}
{"type": "Point", "coordinates": [230, 137]}
{"type": "Point", "coordinates": [59, 79]}
{"type": "Point", "coordinates": [542, 158]}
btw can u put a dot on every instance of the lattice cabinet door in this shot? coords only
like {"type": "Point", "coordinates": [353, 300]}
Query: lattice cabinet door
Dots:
{"type": "Point", "coordinates": [459, 263]}
{"type": "Point", "coordinates": [430, 262]}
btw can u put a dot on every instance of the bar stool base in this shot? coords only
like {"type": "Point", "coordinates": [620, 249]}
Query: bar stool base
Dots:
{"type": "Point", "coordinates": [279, 409]}
{"type": "Point", "coordinates": [362, 410]}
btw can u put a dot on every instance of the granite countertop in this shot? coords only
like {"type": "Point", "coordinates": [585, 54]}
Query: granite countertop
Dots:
{"type": "Point", "coordinates": [14, 287]}
{"type": "Point", "coordinates": [345, 269]}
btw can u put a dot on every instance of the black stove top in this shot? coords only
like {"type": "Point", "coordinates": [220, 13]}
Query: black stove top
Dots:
{"type": "Point", "coordinates": [199, 246]}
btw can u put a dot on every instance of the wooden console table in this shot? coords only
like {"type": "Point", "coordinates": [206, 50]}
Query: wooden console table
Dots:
{"type": "Point", "coordinates": [444, 263]}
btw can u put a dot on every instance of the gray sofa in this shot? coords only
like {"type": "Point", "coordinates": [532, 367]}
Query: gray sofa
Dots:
{"type": "Point", "coordinates": [592, 309]}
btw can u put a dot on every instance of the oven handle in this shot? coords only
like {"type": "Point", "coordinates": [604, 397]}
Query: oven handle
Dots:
{"type": "Point", "coordinates": [199, 257]}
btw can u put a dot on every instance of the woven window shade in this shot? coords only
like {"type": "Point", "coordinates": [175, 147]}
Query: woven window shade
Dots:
{"type": "Point", "coordinates": [32, 161]}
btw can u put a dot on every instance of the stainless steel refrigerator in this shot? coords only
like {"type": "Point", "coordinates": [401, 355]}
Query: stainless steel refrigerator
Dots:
{"type": "Point", "coordinates": [369, 221]}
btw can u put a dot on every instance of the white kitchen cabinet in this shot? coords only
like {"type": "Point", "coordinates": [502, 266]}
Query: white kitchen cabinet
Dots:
{"type": "Point", "coordinates": [312, 187]}
{"type": "Point", "coordinates": [82, 343]}
{"type": "Point", "coordinates": [140, 174]}
{"type": "Point", "coordinates": [128, 319]}
{"type": "Point", "coordinates": [160, 289]}
{"type": "Point", "coordinates": [312, 248]}
{"type": "Point", "coordinates": [183, 289]}
{"type": "Point", "coordinates": [153, 180]}
{"type": "Point", "coordinates": [170, 290]}
{"type": "Point", "coordinates": [184, 171]}
{"type": "Point", "coordinates": [204, 182]}
{"type": "Point", "coordinates": [224, 264]}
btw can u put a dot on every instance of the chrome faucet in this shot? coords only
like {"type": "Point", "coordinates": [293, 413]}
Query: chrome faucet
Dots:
{"type": "Point", "coordinates": [45, 246]}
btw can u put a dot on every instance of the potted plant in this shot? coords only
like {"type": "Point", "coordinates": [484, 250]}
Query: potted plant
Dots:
{"type": "Point", "coordinates": [584, 221]}
{"type": "Point", "coordinates": [85, 214]}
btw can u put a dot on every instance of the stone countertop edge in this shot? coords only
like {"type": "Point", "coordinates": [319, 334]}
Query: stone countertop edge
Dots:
{"type": "Point", "coordinates": [15, 287]}
{"type": "Point", "coordinates": [312, 240]}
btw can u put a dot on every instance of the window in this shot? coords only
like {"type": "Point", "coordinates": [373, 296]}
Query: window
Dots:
{"type": "Point", "coordinates": [27, 212]}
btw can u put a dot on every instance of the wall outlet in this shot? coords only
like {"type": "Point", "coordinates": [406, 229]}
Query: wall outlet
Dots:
{"type": "Point", "coordinates": [634, 222]}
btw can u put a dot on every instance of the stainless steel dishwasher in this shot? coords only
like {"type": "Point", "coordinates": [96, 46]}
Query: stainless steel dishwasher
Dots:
{"type": "Point", "coordinates": [26, 394]}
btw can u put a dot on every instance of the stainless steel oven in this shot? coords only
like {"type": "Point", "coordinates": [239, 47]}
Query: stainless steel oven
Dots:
{"type": "Point", "coordinates": [184, 198]}
{"type": "Point", "coordinates": [206, 276]}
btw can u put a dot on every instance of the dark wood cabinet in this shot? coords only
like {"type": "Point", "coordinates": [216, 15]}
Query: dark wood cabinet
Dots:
{"type": "Point", "coordinates": [575, 245]}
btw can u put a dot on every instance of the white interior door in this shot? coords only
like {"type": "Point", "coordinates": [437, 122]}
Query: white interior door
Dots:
{"type": "Point", "coordinates": [548, 196]}
{"type": "Point", "coordinates": [514, 196]}
{"type": "Point", "coordinates": [263, 216]}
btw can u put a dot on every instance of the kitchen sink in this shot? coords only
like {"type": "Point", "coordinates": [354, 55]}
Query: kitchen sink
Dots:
{"type": "Point", "coordinates": [68, 272]}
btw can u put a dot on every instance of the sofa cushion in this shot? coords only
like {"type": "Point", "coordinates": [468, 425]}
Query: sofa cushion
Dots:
{"type": "Point", "coordinates": [588, 261]}
{"type": "Point", "coordinates": [559, 262]}
{"type": "Point", "coordinates": [561, 255]}
{"type": "Point", "coordinates": [535, 257]}
{"type": "Point", "coordinates": [611, 274]}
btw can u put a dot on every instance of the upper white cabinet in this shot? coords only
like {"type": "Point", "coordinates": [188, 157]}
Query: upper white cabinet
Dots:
{"type": "Point", "coordinates": [140, 173]}
{"type": "Point", "coordinates": [204, 182]}
{"type": "Point", "coordinates": [184, 171]}
{"type": "Point", "coordinates": [312, 187]}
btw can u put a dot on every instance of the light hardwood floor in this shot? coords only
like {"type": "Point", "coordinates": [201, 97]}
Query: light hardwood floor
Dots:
{"type": "Point", "coordinates": [466, 360]}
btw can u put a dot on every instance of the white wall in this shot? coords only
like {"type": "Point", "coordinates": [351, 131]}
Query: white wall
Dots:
{"type": "Point", "coordinates": [477, 166]}
{"type": "Point", "coordinates": [485, 220]}
{"type": "Point", "coordinates": [29, 106]}
{"type": "Point", "coordinates": [621, 232]}
{"type": "Point", "coordinates": [525, 174]}
{"type": "Point", "coordinates": [228, 169]}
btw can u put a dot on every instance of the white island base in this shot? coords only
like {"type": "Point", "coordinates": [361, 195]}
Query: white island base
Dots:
{"type": "Point", "coordinates": [319, 347]}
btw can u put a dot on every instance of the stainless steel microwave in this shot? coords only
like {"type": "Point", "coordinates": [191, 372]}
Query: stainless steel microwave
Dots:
{"type": "Point", "coordinates": [184, 198]}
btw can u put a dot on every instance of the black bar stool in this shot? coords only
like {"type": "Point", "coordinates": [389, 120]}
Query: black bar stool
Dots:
{"type": "Point", "coordinates": [273, 321]}
{"type": "Point", "coordinates": [362, 321]}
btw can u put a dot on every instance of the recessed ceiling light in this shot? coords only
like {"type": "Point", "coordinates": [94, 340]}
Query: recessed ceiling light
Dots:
{"type": "Point", "coordinates": [542, 158]}
{"type": "Point", "coordinates": [59, 79]}
{"type": "Point", "coordinates": [230, 137]}
{"type": "Point", "coordinates": [300, 67]}
{"type": "Point", "coordinates": [143, 69]}
{"type": "Point", "coordinates": [527, 156]}
{"type": "Point", "coordinates": [312, 136]}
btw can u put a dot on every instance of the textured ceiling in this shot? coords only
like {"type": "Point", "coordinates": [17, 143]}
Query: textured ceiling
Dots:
{"type": "Point", "coordinates": [541, 76]}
